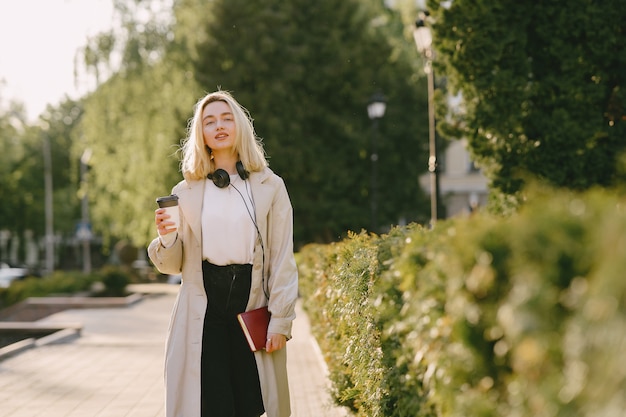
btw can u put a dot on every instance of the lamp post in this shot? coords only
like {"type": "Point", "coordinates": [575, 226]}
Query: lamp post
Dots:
{"type": "Point", "coordinates": [423, 41]}
{"type": "Point", "coordinates": [375, 110]}
{"type": "Point", "coordinates": [48, 202]}
{"type": "Point", "coordinates": [84, 231]}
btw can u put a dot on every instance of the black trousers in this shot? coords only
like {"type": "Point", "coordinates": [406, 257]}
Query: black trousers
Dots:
{"type": "Point", "coordinates": [229, 376]}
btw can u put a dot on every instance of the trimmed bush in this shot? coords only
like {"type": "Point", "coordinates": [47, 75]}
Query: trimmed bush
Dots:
{"type": "Point", "coordinates": [59, 282]}
{"type": "Point", "coordinates": [115, 281]}
{"type": "Point", "coordinates": [523, 316]}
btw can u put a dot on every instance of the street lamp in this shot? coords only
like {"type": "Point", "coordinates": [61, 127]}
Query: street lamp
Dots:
{"type": "Point", "coordinates": [84, 230]}
{"type": "Point", "coordinates": [48, 201]}
{"type": "Point", "coordinates": [423, 41]}
{"type": "Point", "coordinates": [375, 110]}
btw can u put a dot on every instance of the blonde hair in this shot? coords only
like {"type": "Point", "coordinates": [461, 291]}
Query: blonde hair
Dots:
{"type": "Point", "coordinates": [196, 161]}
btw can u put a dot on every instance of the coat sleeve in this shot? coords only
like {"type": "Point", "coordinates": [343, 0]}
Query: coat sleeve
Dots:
{"type": "Point", "coordinates": [167, 260]}
{"type": "Point", "coordinates": [283, 274]}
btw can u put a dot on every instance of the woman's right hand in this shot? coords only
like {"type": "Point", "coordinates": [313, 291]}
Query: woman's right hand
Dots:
{"type": "Point", "coordinates": [164, 226]}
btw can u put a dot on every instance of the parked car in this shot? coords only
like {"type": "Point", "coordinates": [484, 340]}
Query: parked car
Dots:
{"type": "Point", "coordinates": [8, 274]}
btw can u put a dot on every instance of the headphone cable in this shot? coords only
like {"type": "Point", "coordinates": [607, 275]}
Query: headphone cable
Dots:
{"type": "Point", "coordinates": [258, 232]}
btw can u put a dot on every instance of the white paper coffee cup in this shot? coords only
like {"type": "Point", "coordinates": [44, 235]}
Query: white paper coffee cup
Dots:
{"type": "Point", "coordinates": [170, 204]}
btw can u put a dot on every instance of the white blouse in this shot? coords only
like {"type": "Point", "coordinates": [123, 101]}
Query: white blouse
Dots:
{"type": "Point", "coordinates": [228, 228]}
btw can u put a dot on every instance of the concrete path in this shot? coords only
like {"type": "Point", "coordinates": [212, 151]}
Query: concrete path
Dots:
{"type": "Point", "coordinates": [115, 367]}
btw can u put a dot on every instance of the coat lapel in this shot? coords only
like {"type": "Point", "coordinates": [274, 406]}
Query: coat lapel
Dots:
{"type": "Point", "coordinates": [262, 197]}
{"type": "Point", "coordinates": [190, 200]}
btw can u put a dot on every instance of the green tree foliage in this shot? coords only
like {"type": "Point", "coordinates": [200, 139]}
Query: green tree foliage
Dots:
{"type": "Point", "coordinates": [134, 122]}
{"type": "Point", "coordinates": [306, 70]}
{"type": "Point", "coordinates": [61, 126]}
{"type": "Point", "coordinates": [22, 169]}
{"type": "Point", "coordinates": [19, 159]}
{"type": "Point", "coordinates": [133, 129]}
{"type": "Point", "coordinates": [543, 86]}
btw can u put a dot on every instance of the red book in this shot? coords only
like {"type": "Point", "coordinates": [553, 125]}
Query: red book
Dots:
{"type": "Point", "coordinates": [254, 324]}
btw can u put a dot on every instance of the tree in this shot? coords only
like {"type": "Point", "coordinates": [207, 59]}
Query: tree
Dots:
{"type": "Point", "coordinates": [20, 155]}
{"type": "Point", "coordinates": [62, 128]}
{"type": "Point", "coordinates": [306, 70]}
{"type": "Point", "coordinates": [22, 172]}
{"type": "Point", "coordinates": [305, 78]}
{"type": "Point", "coordinates": [133, 129]}
{"type": "Point", "coordinates": [543, 86]}
{"type": "Point", "coordinates": [134, 120]}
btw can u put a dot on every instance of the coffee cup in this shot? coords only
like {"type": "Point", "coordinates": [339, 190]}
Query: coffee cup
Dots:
{"type": "Point", "coordinates": [170, 204]}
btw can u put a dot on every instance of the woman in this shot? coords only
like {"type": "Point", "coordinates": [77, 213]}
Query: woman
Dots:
{"type": "Point", "coordinates": [234, 248]}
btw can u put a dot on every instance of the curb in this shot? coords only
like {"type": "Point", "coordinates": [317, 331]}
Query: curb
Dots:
{"type": "Point", "coordinates": [61, 336]}
{"type": "Point", "coordinates": [17, 348]}
{"type": "Point", "coordinates": [64, 332]}
{"type": "Point", "coordinates": [86, 302]}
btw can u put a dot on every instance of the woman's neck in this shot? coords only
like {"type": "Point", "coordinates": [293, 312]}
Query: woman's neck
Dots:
{"type": "Point", "coordinates": [226, 162]}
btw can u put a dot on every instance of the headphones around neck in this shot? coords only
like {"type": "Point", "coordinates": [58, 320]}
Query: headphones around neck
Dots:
{"type": "Point", "coordinates": [221, 178]}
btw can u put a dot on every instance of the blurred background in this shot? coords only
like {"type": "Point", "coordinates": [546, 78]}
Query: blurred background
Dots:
{"type": "Point", "coordinates": [95, 97]}
{"type": "Point", "coordinates": [376, 113]}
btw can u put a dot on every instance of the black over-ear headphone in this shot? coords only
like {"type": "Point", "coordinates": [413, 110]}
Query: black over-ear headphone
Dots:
{"type": "Point", "coordinates": [221, 178]}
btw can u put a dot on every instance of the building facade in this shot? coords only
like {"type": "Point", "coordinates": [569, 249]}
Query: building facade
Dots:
{"type": "Point", "coordinates": [462, 187]}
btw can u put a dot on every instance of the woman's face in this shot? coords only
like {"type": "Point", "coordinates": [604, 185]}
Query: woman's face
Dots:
{"type": "Point", "coordinates": [218, 126]}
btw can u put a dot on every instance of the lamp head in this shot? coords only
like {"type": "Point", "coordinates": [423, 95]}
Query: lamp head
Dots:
{"type": "Point", "coordinates": [376, 106]}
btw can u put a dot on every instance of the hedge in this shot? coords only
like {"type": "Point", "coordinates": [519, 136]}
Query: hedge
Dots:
{"type": "Point", "coordinates": [113, 279]}
{"type": "Point", "coordinates": [522, 316]}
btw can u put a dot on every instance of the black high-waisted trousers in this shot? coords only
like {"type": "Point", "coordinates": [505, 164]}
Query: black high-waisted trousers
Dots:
{"type": "Point", "coordinates": [229, 377]}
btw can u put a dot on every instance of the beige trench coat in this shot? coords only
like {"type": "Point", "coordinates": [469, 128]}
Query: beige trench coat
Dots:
{"type": "Point", "coordinates": [274, 218]}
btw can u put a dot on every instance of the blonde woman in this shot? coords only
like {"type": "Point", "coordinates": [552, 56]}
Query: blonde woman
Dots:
{"type": "Point", "coordinates": [234, 249]}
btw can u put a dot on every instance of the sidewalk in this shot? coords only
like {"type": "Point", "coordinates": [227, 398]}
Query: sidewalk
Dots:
{"type": "Point", "coordinates": [115, 368]}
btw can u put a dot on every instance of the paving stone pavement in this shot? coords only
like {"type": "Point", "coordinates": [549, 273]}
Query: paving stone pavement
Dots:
{"type": "Point", "coordinates": [115, 367]}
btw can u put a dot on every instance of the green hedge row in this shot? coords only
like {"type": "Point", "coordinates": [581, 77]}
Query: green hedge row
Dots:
{"type": "Point", "coordinates": [524, 316]}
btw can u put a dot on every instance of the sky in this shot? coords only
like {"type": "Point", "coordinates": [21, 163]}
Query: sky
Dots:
{"type": "Point", "coordinates": [38, 43]}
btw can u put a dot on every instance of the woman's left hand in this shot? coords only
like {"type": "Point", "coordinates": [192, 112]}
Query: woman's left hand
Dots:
{"type": "Point", "coordinates": [275, 341]}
